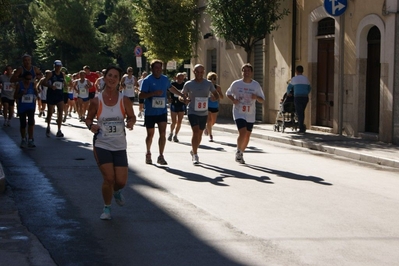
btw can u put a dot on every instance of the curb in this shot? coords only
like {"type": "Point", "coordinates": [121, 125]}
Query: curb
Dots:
{"type": "Point", "coordinates": [322, 148]}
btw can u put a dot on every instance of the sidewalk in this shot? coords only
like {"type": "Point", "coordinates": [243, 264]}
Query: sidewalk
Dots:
{"type": "Point", "coordinates": [364, 150]}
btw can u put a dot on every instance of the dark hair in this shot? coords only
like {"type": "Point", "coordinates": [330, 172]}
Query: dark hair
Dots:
{"type": "Point", "coordinates": [247, 65]}
{"type": "Point", "coordinates": [156, 61]}
{"type": "Point", "coordinates": [299, 69]}
{"type": "Point", "coordinates": [116, 68]}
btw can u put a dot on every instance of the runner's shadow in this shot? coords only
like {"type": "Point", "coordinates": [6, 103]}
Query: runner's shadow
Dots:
{"type": "Point", "coordinates": [236, 174]}
{"type": "Point", "coordinates": [190, 176]}
{"type": "Point", "coordinates": [248, 149]}
{"type": "Point", "coordinates": [289, 175]}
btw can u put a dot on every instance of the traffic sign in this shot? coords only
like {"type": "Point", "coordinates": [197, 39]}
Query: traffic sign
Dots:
{"type": "Point", "coordinates": [138, 51]}
{"type": "Point", "coordinates": [335, 7]}
{"type": "Point", "coordinates": [139, 62]}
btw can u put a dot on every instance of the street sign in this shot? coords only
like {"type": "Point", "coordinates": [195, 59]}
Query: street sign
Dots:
{"type": "Point", "coordinates": [138, 62]}
{"type": "Point", "coordinates": [335, 7]}
{"type": "Point", "coordinates": [171, 65]}
{"type": "Point", "coordinates": [138, 51]}
{"type": "Point", "coordinates": [187, 66]}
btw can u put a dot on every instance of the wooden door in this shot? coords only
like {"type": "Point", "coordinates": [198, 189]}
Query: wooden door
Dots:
{"type": "Point", "coordinates": [325, 83]}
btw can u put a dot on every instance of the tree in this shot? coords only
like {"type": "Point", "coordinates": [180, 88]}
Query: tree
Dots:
{"type": "Point", "coordinates": [5, 10]}
{"type": "Point", "coordinates": [167, 28]}
{"type": "Point", "coordinates": [245, 22]}
{"type": "Point", "coordinates": [16, 32]}
{"type": "Point", "coordinates": [70, 36]}
{"type": "Point", "coordinates": [120, 31]}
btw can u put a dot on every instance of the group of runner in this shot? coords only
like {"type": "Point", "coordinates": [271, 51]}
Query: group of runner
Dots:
{"type": "Point", "coordinates": [111, 111]}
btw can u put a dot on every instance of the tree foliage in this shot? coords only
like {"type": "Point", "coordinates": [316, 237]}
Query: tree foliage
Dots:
{"type": "Point", "coordinates": [245, 22]}
{"type": "Point", "coordinates": [121, 33]}
{"type": "Point", "coordinates": [5, 10]}
{"type": "Point", "coordinates": [167, 28]}
{"type": "Point", "coordinates": [16, 32]}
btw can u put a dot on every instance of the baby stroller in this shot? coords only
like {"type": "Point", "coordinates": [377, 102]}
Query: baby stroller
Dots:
{"type": "Point", "coordinates": [286, 116]}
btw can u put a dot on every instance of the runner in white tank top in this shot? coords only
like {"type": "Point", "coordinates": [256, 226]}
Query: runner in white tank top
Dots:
{"type": "Point", "coordinates": [111, 107]}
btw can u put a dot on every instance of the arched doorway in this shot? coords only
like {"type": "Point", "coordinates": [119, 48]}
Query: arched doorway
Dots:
{"type": "Point", "coordinates": [325, 72]}
{"type": "Point", "coordinates": [372, 118]}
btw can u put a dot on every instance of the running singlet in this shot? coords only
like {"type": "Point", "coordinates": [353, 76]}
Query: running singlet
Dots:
{"type": "Point", "coordinates": [111, 135]}
{"type": "Point", "coordinates": [28, 100]}
{"type": "Point", "coordinates": [83, 91]}
{"type": "Point", "coordinates": [129, 89]}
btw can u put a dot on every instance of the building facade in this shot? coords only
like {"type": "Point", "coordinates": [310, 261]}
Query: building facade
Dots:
{"type": "Point", "coordinates": [351, 61]}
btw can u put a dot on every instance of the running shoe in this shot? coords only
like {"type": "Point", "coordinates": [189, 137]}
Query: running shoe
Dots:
{"type": "Point", "coordinates": [140, 114]}
{"type": "Point", "coordinates": [40, 114]}
{"type": "Point", "coordinates": [23, 143]}
{"type": "Point", "coordinates": [48, 131]}
{"type": "Point", "coordinates": [195, 159]}
{"type": "Point", "coordinates": [64, 120]}
{"type": "Point", "coordinates": [161, 160]}
{"type": "Point", "coordinates": [210, 138]}
{"type": "Point", "coordinates": [59, 134]}
{"type": "Point", "coordinates": [240, 157]}
{"type": "Point", "coordinates": [170, 136]}
{"type": "Point", "coordinates": [106, 215]}
{"type": "Point", "coordinates": [148, 159]}
{"type": "Point", "coordinates": [31, 143]}
{"type": "Point", "coordinates": [119, 199]}
{"type": "Point", "coordinates": [175, 139]}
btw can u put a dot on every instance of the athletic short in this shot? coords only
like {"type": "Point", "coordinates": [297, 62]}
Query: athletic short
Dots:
{"type": "Point", "coordinates": [55, 99]}
{"type": "Point", "coordinates": [92, 95]}
{"type": "Point", "coordinates": [66, 98]}
{"type": "Point", "coordinates": [30, 114]}
{"type": "Point", "coordinates": [131, 99]}
{"type": "Point", "coordinates": [177, 108]}
{"type": "Point", "coordinates": [44, 101]}
{"type": "Point", "coordinates": [6, 100]}
{"type": "Point", "coordinates": [85, 99]}
{"type": "Point", "coordinates": [70, 96]}
{"type": "Point", "coordinates": [196, 120]}
{"type": "Point", "coordinates": [243, 123]}
{"type": "Point", "coordinates": [213, 110]}
{"type": "Point", "coordinates": [118, 158]}
{"type": "Point", "coordinates": [151, 120]}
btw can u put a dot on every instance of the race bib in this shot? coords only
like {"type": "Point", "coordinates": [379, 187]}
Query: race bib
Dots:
{"type": "Point", "coordinates": [245, 109]}
{"type": "Point", "coordinates": [58, 85]}
{"type": "Point", "coordinates": [129, 86]}
{"type": "Point", "coordinates": [158, 102]}
{"type": "Point", "coordinates": [82, 90]}
{"type": "Point", "coordinates": [27, 98]}
{"type": "Point", "coordinates": [113, 128]}
{"type": "Point", "coordinates": [201, 103]}
{"type": "Point", "coordinates": [7, 86]}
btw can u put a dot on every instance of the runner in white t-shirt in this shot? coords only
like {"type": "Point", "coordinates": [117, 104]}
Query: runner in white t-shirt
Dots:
{"type": "Point", "coordinates": [244, 93]}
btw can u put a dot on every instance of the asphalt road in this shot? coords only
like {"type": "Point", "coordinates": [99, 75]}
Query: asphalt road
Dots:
{"type": "Point", "coordinates": [286, 206]}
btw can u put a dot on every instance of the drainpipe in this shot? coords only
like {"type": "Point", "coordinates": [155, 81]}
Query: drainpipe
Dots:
{"type": "Point", "coordinates": [341, 73]}
{"type": "Point", "coordinates": [293, 44]}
